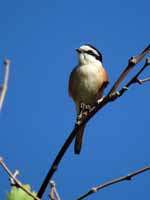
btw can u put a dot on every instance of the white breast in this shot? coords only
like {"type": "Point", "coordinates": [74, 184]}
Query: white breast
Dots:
{"type": "Point", "coordinates": [88, 81]}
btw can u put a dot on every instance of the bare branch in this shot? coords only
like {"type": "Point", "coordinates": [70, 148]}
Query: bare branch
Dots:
{"type": "Point", "coordinates": [17, 182]}
{"type": "Point", "coordinates": [53, 195]}
{"type": "Point", "coordinates": [132, 62]}
{"type": "Point", "coordinates": [5, 82]}
{"type": "Point", "coordinates": [111, 96]}
{"type": "Point", "coordinates": [123, 178]}
{"type": "Point", "coordinates": [133, 80]}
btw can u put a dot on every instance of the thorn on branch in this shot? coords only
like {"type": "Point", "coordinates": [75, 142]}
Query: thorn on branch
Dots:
{"type": "Point", "coordinates": [132, 61]}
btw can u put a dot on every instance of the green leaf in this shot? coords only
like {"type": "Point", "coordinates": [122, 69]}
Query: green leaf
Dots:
{"type": "Point", "coordinates": [19, 194]}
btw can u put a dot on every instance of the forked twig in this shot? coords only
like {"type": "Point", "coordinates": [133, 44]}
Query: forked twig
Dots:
{"type": "Point", "coordinates": [5, 82]}
{"type": "Point", "coordinates": [15, 174]}
{"type": "Point", "coordinates": [123, 178]}
{"type": "Point", "coordinates": [16, 181]}
{"type": "Point", "coordinates": [53, 195]}
{"type": "Point", "coordinates": [132, 62]}
{"type": "Point", "coordinates": [133, 80]}
{"type": "Point", "coordinates": [112, 95]}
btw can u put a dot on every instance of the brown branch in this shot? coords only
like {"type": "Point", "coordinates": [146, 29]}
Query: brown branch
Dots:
{"type": "Point", "coordinates": [132, 81]}
{"type": "Point", "coordinates": [53, 195]}
{"type": "Point", "coordinates": [16, 181]}
{"type": "Point", "coordinates": [132, 62]}
{"type": "Point", "coordinates": [123, 178]}
{"type": "Point", "coordinates": [5, 82]}
{"type": "Point", "coordinates": [100, 104]}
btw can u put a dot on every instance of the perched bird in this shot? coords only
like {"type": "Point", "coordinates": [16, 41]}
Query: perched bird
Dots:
{"type": "Point", "coordinates": [86, 83]}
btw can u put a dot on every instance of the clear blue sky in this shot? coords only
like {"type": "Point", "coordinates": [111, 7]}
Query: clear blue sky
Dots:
{"type": "Point", "coordinates": [40, 38]}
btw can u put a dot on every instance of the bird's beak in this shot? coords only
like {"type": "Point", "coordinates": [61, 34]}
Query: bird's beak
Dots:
{"type": "Point", "coordinates": [78, 50]}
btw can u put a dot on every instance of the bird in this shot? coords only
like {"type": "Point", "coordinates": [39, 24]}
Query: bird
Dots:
{"type": "Point", "coordinates": [87, 82]}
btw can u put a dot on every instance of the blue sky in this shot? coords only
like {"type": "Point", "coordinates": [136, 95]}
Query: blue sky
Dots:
{"type": "Point", "coordinates": [40, 38]}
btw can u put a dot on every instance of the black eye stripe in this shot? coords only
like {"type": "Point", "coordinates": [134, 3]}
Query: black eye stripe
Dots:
{"type": "Point", "coordinates": [90, 52]}
{"type": "Point", "coordinates": [93, 54]}
{"type": "Point", "coordinates": [97, 57]}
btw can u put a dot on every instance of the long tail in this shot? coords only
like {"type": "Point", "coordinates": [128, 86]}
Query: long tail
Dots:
{"type": "Point", "coordinates": [78, 140]}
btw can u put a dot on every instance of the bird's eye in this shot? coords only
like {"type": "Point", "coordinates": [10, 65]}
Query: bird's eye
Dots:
{"type": "Point", "coordinates": [90, 52]}
{"type": "Point", "coordinates": [98, 57]}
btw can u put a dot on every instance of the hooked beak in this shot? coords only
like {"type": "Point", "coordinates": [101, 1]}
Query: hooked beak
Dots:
{"type": "Point", "coordinates": [78, 50]}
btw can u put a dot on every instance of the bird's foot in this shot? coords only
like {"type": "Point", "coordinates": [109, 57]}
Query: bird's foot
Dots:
{"type": "Point", "coordinates": [84, 110]}
{"type": "Point", "coordinates": [84, 107]}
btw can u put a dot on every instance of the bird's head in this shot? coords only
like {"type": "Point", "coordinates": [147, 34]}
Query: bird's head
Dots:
{"type": "Point", "coordinates": [88, 54]}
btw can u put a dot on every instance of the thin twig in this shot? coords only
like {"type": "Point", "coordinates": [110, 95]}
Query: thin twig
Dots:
{"type": "Point", "coordinates": [132, 81]}
{"type": "Point", "coordinates": [18, 183]}
{"type": "Point", "coordinates": [132, 62]}
{"type": "Point", "coordinates": [94, 110]}
{"type": "Point", "coordinates": [53, 195]}
{"type": "Point", "coordinates": [140, 81]}
{"type": "Point", "coordinates": [5, 82]}
{"type": "Point", "coordinates": [123, 178]}
{"type": "Point", "coordinates": [15, 174]}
